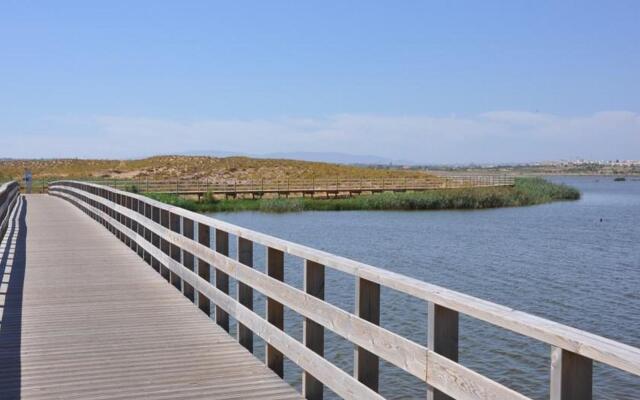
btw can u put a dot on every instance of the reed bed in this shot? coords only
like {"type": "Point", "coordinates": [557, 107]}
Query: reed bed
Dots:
{"type": "Point", "coordinates": [525, 192]}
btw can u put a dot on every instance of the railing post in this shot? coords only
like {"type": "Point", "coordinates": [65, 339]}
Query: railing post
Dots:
{"type": "Point", "coordinates": [141, 230]}
{"type": "Point", "coordinates": [115, 214]}
{"type": "Point", "coordinates": [366, 364]}
{"type": "Point", "coordinates": [204, 270]}
{"type": "Point", "coordinates": [442, 338]}
{"type": "Point", "coordinates": [571, 375]}
{"type": "Point", "coordinates": [175, 251]}
{"type": "Point", "coordinates": [165, 246]}
{"type": "Point", "coordinates": [222, 279]}
{"type": "Point", "coordinates": [122, 201]}
{"type": "Point", "coordinates": [313, 333]}
{"type": "Point", "coordinates": [155, 240]}
{"type": "Point", "coordinates": [147, 233]}
{"type": "Point", "coordinates": [187, 258]}
{"type": "Point", "coordinates": [245, 292]}
{"type": "Point", "coordinates": [130, 223]}
{"type": "Point", "coordinates": [275, 310]}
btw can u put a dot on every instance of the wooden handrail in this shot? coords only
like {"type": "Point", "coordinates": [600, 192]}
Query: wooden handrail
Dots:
{"type": "Point", "coordinates": [436, 365]}
{"type": "Point", "coordinates": [9, 192]}
{"type": "Point", "coordinates": [262, 186]}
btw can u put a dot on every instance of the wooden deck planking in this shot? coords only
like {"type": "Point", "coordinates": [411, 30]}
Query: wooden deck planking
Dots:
{"type": "Point", "coordinates": [85, 318]}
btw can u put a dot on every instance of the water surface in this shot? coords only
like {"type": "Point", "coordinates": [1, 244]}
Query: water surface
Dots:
{"type": "Point", "coordinates": [577, 263]}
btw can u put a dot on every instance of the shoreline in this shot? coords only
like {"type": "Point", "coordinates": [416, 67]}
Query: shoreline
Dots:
{"type": "Point", "coordinates": [523, 174]}
{"type": "Point", "coordinates": [525, 192]}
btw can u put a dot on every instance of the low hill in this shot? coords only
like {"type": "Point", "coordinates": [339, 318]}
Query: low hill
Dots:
{"type": "Point", "coordinates": [192, 167]}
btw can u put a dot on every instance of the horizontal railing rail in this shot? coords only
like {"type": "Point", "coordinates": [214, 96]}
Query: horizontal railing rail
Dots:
{"type": "Point", "coordinates": [330, 185]}
{"type": "Point", "coordinates": [9, 193]}
{"type": "Point", "coordinates": [285, 186]}
{"type": "Point", "coordinates": [165, 237]}
{"type": "Point", "coordinates": [37, 185]}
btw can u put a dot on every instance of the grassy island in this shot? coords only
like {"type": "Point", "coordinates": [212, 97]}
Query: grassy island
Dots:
{"type": "Point", "coordinates": [525, 192]}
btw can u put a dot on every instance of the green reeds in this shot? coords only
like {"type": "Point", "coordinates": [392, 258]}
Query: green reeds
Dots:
{"type": "Point", "coordinates": [526, 191]}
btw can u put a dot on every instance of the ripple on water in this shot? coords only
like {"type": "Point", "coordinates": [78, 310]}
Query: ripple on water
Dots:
{"type": "Point", "coordinates": [557, 261]}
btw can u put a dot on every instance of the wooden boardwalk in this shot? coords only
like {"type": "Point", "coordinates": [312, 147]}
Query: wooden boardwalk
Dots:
{"type": "Point", "coordinates": [257, 188]}
{"type": "Point", "coordinates": [83, 317]}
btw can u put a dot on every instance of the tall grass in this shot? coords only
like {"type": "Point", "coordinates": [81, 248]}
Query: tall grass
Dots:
{"type": "Point", "coordinates": [526, 191]}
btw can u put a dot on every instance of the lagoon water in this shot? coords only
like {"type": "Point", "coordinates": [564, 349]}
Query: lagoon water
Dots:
{"type": "Point", "coordinates": [577, 263]}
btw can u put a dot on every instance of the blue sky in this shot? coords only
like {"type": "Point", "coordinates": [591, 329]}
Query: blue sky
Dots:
{"type": "Point", "coordinates": [447, 82]}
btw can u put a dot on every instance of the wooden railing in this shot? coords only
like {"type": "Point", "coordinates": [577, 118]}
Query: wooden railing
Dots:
{"type": "Point", "coordinates": [165, 236]}
{"type": "Point", "coordinates": [284, 186]}
{"type": "Point", "coordinates": [337, 185]}
{"type": "Point", "coordinates": [37, 185]}
{"type": "Point", "coordinates": [8, 195]}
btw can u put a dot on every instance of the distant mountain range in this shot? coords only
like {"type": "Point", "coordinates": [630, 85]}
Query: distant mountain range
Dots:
{"type": "Point", "coordinates": [329, 157]}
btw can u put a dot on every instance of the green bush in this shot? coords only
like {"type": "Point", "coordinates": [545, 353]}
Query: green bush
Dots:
{"type": "Point", "coordinates": [132, 188]}
{"type": "Point", "coordinates": [281, 205]}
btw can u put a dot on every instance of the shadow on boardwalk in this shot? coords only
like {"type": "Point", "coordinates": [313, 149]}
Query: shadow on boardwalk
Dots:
{"type": "Point", "coordinates": [12, 270]}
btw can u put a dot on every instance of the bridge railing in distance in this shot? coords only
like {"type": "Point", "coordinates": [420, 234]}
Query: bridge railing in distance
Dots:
{"type": "Point", "coordinates": [9, 193]}
{"type": "Point", "coordinates": [326, 185]}
{"type": "Point", "coordinates": [164, 236]}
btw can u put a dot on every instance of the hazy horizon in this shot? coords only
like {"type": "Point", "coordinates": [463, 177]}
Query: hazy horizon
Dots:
{"type": "Point", "coordinates": [324, 157]}
{"type": "Point", "coordinates": [488, 82]}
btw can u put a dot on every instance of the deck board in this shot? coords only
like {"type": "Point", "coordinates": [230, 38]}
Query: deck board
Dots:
{"type": "Point", "coordinates": [83, 317]}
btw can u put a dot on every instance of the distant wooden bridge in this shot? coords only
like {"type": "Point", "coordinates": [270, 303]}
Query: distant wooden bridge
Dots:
{"type": "Point", "coordinates": [257, 188]}
{"type": "Point", "coordinates": [107, 294]}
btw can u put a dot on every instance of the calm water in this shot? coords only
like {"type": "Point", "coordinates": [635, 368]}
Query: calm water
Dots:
{"type": "Point", "coordinates": [559, 261]}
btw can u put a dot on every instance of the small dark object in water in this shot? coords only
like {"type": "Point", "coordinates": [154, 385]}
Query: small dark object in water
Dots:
{"type": "Point", "coordinates": [600, 219]}
{"type": "Point", "coordinates": [620, 179]}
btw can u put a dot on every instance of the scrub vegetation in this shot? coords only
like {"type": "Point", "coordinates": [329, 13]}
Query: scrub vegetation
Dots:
{"type": "Point", "coordinates": [214, 169]}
